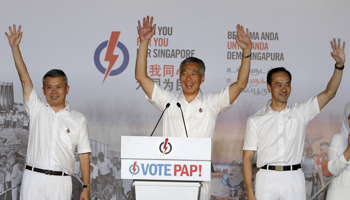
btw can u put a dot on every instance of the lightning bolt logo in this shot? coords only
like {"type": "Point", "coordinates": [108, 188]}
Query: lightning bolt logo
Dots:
{"type": "Point", "coordinates": [165, 145]}
{"type": "Point", "coordinates": [134, 168]}
{"type": "Point", "coordinates": [110, 57]}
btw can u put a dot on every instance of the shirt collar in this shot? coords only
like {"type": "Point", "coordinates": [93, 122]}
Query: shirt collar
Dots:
{"type": "Point", "coordinates": [199, 96]}
{"type": "Point", "coordinates": [269, 109]}
{"type": "Point", "coordinates": [67, 108]}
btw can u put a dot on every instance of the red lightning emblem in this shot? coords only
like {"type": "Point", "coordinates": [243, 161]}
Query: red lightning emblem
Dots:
{"type": "Point", "coordinates": [110, 57]}
{"type": "Point", "coordinates": [134, 168]}
{"type": "Point", "coordinates": [165, 147]}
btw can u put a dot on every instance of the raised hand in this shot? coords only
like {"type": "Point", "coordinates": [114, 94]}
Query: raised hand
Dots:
{"type": "Point", "coordinates": [15, 36]}
{"type": "Point", "coordinates": [338, 52]}
{"type": "Point", "coordinates": [242, 38]}
{"type": "Point", "coordinates": [146, 31]}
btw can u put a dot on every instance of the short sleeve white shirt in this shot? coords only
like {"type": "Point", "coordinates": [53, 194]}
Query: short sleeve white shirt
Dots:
{"type": "Point", "coordinates": [278, 137]}
{"type": "Point", "coordinates": [200, 115]}
{"type": "Point", "coordinates": [54, 136]}
{"type": "Point", "coordinates": [105, 166]}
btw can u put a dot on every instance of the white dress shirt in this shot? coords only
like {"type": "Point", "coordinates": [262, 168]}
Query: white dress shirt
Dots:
{"type": "Point", "coordinates": [54, 136]}
{"type": "Point", "coordinates": [200, 115]}
{"type": "Point", "coordinates": [105, 166]}
{"type": "Point", "coordinates": [278, 137]}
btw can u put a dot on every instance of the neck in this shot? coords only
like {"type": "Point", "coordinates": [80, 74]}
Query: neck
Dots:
{"type": "Point", "coordinates": [190, 97]}
{"type": "Point", "coordinates": [278, 106]}
{"type": "Point", "coordinates": [57, 108]}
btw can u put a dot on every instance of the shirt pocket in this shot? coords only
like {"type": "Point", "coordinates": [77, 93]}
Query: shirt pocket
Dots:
{"type": "Point", "coordinates": [68, 137]}
{"type": "Point", "coordinates": [291, 130]}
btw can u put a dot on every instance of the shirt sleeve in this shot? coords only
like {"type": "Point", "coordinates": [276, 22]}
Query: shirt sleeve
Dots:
{"type": "Point", "coordinates": [309, 109]}
{"type": "Point", "coordinates": [251, 137]}
{"type": "Point", "coordinates": [84, 141]}
{"type": "Point", "coordinates": [336, 164]}
{"type": "Point", "coordinates": [220, 101]}
{"type": "Point", "coordinates": [160, 97]}
{"type": "Point", "coordinates": [33, 104]}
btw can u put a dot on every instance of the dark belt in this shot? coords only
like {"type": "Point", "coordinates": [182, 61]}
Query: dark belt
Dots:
{"type": "Point", "coordinates": [46, 172]}
{"type": "Point", "coordinates": [282, 167]}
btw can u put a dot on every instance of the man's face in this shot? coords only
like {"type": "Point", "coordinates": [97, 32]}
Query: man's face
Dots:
{"type": "Point", "coordinates": [3, 160]}
{"type": "Point", "coordinates": [101, 157]}
{"type": "Point", "coordinates": [55, 91]}
{"type": "Point", "coordinates": [280, 87]}
{"type": "Point", "coordinates": [308, 154]}
{"type": "Point", "coordinates": [324, 151]}
{"type": "Point", "coordinates": [191, 78]}
{"type": "Point", "coordinates": [115, 161]}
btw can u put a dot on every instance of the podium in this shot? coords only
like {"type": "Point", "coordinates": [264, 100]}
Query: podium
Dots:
{"type": "Point", "coordinates": [169, 168]}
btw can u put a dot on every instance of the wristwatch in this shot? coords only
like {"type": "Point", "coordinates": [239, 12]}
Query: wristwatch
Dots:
{"type": "Point", "coordinates": [88, 186]}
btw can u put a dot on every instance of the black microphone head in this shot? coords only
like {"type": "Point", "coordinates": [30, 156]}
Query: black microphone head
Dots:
{"type": "Point", "coordinates": [178, 104]}
{"type": "Point", "coordinates": [167, 105]}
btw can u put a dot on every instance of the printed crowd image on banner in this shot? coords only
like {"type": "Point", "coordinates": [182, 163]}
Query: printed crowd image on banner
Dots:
{"type": "Point", "coordinates": [96, 44]}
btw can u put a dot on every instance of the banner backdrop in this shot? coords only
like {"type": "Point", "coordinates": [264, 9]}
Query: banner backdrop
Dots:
{"type": "Point", "coordinates": [74, 36]}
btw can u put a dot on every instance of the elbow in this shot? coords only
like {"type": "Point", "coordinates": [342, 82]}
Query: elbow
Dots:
{"type": "Point", "coordinates": [242, 86]}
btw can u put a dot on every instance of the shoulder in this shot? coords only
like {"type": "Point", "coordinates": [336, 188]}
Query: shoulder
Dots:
{"type": "Point", "coordinates": [258, 114]}
{"type": "Point", "coordinates": [335, 140]}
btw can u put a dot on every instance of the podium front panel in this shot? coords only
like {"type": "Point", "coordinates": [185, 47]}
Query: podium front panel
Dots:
{"type": "Point", "coordinates": [171, 170]}
{"type": "Point", "coordinates": [166, 148]}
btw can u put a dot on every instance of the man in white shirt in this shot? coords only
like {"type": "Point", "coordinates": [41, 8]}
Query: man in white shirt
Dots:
{"type": "Point", "coordinates": [55, 131]}
{"type": "Point", "coordinates": [277, 134]}
{"type": "Point", "coordinates": [105, 168]}
{"type": "Point", "coordinates": [200, 110]}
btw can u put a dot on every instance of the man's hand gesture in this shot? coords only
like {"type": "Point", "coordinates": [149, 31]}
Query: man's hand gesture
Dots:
{"type": "Point", "coordinates": [146, 31]}
{"type": "Point", "coordinates": [242, 38]}
{"type": "Point", "coordinates": [338, 52]}
{"type": "Point", "coordinates": [15, 36]}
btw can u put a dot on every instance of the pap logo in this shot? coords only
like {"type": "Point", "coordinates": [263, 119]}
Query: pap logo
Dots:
{"type": "Point", "coordinates": [111, 57]}
{"type": "Point", "coordinates": [134, 169]}
{"type": "Point", "coordinates": [166, 146]}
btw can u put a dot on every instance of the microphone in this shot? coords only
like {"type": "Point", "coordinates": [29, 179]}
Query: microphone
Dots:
{"type": "Point", "coordinates": [179, 105]}
{"type": "Point", "coordinates": [166, 107]}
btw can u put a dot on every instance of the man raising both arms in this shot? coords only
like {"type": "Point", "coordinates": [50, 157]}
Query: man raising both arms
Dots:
{"type": "Point", "coordinates": [200, 110]}
{"type": "Point", "coordinates": [54, 132]}
{"type": "Point", "coordinates": [277, 134]}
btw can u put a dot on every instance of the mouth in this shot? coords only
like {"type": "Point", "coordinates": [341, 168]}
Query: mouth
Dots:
{"type": "Point", "coordinates": [283, 94]}
{"type": "Point", "coordinates": [54, 97]}
{"type": "Point", "coordinates": [189, 86]}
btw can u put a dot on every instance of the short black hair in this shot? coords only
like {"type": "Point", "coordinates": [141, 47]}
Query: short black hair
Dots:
{"type": "Point", "coordinates": [195, 60]}
{"type": "Point", "coordinates": [276, 70]}
{"type": "Point", "coordinates": [56, 73]}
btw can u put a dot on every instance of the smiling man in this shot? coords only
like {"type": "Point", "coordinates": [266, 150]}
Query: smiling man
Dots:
{"type": "Point", "coordinates": [277, 134]}
{"type": "Point", "coordinates": [200, 110]}
{"type": "Point", "coordinates": [54, 132]}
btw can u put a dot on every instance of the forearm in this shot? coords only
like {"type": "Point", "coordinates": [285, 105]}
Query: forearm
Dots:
{"type": "Point", "coordinates": [334, 83]}
{"type": "Point", "coordinates": [84, 160]}
{"type": "Point", "coordinates": [24, 77]}
{"type": "Point", "coordinates": [243, 75]}
{"type": "Point", "coordinates": [141, 69]}
{"type": "Point", "coordinates": [248, 174]}
{"type": "Point", "coordinates": [141, 60]}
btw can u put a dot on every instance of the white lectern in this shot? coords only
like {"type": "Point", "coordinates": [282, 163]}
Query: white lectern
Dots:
{"type": "Point", "coordinates": [169, 168]}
